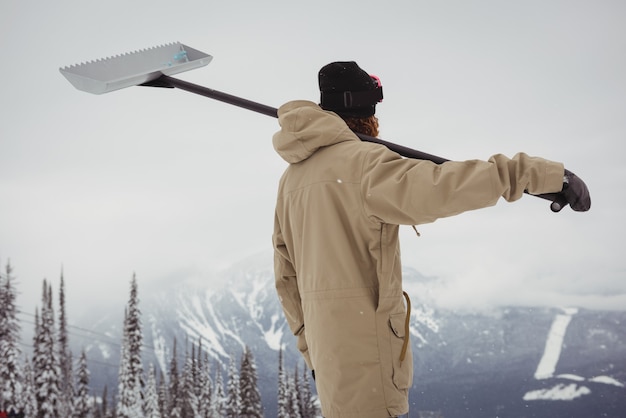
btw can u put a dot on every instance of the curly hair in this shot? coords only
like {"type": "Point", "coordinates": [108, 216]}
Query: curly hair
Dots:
{"type": "Point", "coordinates": [365, 126]}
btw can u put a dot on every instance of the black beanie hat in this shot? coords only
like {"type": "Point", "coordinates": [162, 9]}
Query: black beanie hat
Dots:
{"type": "Point", "coordinates": [348, 90]}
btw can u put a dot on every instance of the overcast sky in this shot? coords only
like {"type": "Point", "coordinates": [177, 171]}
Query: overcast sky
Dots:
{"type": "Point", "coordinates": [174, 186]}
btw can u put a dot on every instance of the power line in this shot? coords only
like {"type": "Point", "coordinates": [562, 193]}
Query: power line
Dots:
{"type": "Point", "coordinates": [99, 334]}
{"type": "Point", "coordinates": [75, 331]}
{"type": "Point", "coordinates": [89, 360]}
{"type": "Point", "coordinates": [180, 357]}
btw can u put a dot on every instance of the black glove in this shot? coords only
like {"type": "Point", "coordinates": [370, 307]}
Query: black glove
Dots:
{"type": "Point", "coordinates": [574, 193]}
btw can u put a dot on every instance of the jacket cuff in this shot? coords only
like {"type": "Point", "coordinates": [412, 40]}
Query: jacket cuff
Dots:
{"type": "Point", "coordinates": [554, 177]}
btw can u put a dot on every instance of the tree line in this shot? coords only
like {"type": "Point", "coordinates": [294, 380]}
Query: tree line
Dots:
{"type": "Point", "coordinates": [51, 384]}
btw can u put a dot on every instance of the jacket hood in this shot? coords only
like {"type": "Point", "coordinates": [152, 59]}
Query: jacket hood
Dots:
{"type": "Point", "coordinates": [305, 127]}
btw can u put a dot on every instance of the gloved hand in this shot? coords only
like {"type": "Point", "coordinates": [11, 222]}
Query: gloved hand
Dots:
{"type": "Point", "coordinates": [574, 193]}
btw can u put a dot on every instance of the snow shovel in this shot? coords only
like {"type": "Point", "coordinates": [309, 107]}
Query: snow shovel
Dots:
{"type": "Point", "coordinates": [154, 67]}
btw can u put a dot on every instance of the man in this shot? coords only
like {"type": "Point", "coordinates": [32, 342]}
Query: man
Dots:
{"type": "Point", "coordinates": [337, 255]}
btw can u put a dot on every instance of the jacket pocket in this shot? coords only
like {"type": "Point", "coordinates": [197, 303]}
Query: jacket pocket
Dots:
{"type": "Point", "coordinates": [402, 370]}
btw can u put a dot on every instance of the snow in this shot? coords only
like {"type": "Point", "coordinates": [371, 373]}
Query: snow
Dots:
{"type": "Point", "coordinates": [423, 317]}
{"type": "Point", "coordinates": [571, 377]}
{"type": "Point", "coordinates": [606, 380]}
{"type": "Point", "coordinates": [195, 323]}
{"type": "Point", "coordinates": [255, 310]}
{"type": "Point", "coordinates": [570, 311]}
{"type": "Point", "coordinates": [416, 334]}
{"type": "Point", "coordinates": [274, 335]}
{"type": "Point", "coordinates": [159, 343]}
{"type": "Point", "coordinates": [554, 344]}
{"type": "Point", "coordinates": [549, 360]}
{"type": "Point", "coordinates": [250, 301]}
{"type": "Point", "coordinates": [104, 351]}
{"type": "Point", "coordinates": [559, 392]}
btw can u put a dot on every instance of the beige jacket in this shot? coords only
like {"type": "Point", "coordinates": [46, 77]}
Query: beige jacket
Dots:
{"type": "Point", "coordinates": [337, 255]}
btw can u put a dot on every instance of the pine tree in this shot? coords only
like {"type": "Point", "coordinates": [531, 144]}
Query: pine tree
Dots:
{"type": "Point", "coordinates": [218, 404]}
{"type": "Point", "coordinates": [195, 383]}
{"type": "Point", "coordinates": [184, 395]}
{"type": "Point", "coordinates": [233, 403]}
{"type": "Point", "coordinates": [189, 405]}
{"type": "Point", "coordinates": [283, 411]}
{"type": "Point", "coordinates": [293, 408]}
{"type": "Point", "coordinates": [163, 395]}
{"type": "Point", "coordinates": [29, 405]}
{"type": "Point", "coordinates": [131, 371]}
{"type": "Point", "coordinates": [46, 361]}
{"type": "Point", "coordinates": [104, 407]}
{"type": "Point", "coordinates": [135, 335]}
{"type": "Point", "coordinates": [309, 407]}
{"type": "Point", "coordinates": [65, 357]}
{"type": "Point", "coordinates": [296, 395]}
{"type": "Point", "coordinates": [124, 367]}
{"type": "Point", "coordinates": [174, 408]}
{"type": "Point", "coordinates": [205, 385]}
{"type": "Point", "coordinates": [82, 405]}
{"type": "Point", "coordinates": [11, 379]}
{"type": "Point", "coordinates": [151, 399]}
{"type": "Point", "coordinates": [251, 405]}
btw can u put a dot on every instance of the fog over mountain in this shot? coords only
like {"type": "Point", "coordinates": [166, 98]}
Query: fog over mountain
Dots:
{"type": "Point", "coordinates": [506, 361]}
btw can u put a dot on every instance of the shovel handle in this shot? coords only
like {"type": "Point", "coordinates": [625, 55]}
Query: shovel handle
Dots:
{"type": "Point", "coordinates": [171, 82]}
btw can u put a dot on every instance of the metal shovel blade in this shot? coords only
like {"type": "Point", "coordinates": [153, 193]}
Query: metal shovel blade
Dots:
{"type": "Point", "coordinates": [134, 68]}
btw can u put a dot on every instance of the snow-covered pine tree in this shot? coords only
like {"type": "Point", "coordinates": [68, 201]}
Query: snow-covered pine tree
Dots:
{"type": "Point", "coordinates": [251, 398]}
{"type": "Point", "coordinates": [218, 404]}
{"type": "Point", "coordinates": [204, 383]}
{"type": "Point", "coordinates": [195, 383]}
{"type": "Point", "coordinates": [163, 395]}
{"type": "Point", "coordinates": [135, 336]}
{"type": "Point", "coordinates": [83, 403]}
{"type": "Point", "coordinates": [300, 393]}
{"type": "Point", "coordinates": [131, 370]}
{"type": "Point", "coordinates": [309, 407]}
{"type": "Point", "coordinates": [45, 360]}
{"type": "Point", "coordinates": [11, 384]}
{"type": "Point", "coordinates": [283, 411]}
{"type": "Point", "coordinates": [29, 404]}
{"type": "Point", "coordinates": [188, 393]}
{"type": "Point", "coordinates": [233, 391]}
{"type": "Point", "coordinates": [293, 408]}
{"type": "Point", "coordinates": [183, 385]}
{"type": "Point", "coordinates": [66, 378]}
{"type": "Point", "coordinates": [122, 377]}
{"type": "Point", "coordinates": [37, 351]}
{"type": "Point", "coordinates": [104, 406]}
{"type": "Point", "coordinates": [174, 407]}
{"type": "Point", "coordinates": [151, 398]}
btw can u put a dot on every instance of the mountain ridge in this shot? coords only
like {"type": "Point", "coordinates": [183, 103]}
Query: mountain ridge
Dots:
{"type": "Point", "coordinates": [467, 363]}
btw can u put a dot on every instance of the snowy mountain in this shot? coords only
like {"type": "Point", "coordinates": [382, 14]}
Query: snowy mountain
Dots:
{"type": "Point", "coordinates": [508, 362]}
